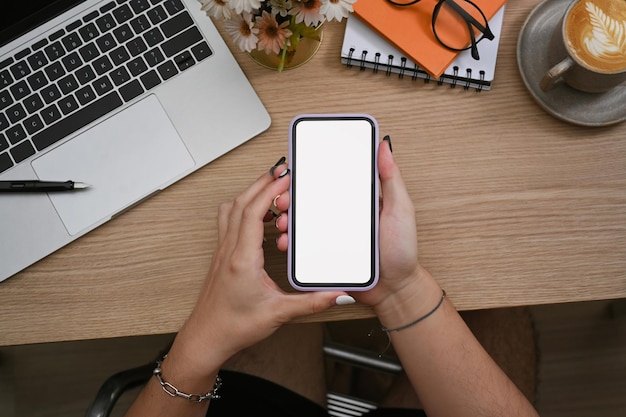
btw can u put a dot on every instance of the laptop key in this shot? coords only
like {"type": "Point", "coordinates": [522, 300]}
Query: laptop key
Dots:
{"type": "Point", "coordinates": [51, 114]}
{"type": "Point", "coordinates": [153, 37]}
{"type": "Point", "coordinates": [131, 90]}
{"type": "Point", "coordinates": [167, 70]}
{"type": "Point", "coordinates": [85, 74]}
{"type": "Point", "coordinates": [123, 33]}
{"type": "Point", "coordinates": [110, 5]}
{"type": "Point", "coordinates": [37, 80]}
{"type": "Point", "coordinates": [5, 78]}
{"type": "Point", "coordinates": [89, 52]}
{"type": "Point", "coordinates": [68, 84]}
{"type": "Point", "coordinates": [37, 60]}
{"type": "Point", "coordinates": [54, 71]}
{"type": "Point", "coordinates": [102, 85]}
{"type": "Point", "coordinates": [5, 99]}
{"type": "Point", "coordinates": [50, 93]}
{"type": "Point", "coordinates": [22, 54]}
{"type": "Point", "coordinates": [184, 60]}
{"type": "Point", "coordinates": [137, 66]}
{"type": "Point", "coordinates": [201, 51]}
{"type": "Point", "coordinates": [106, 42]}
{"type": "Point", "coordinates": [20, 90]}
{"type": "Point", "coordinates": [119, 76]}
{"type": "Point", "coordinates": [22, 151]}
{"type": "Point", "coordinates": [153, 57]}
{"type": "Point", "coordinates": [139, 5]}
{"type": "Point", "coordinates": [16, 134]}
{"type": "Point", "coordinates": [150, 80]}
{"type": "Point", "coordinates": [68, 104]}
{"type": "Point", "coordinates": [89, 32]}
{"type": "Point", "coordinates": [16, 113]}
{"type": "Point", "coordinates": [176, 24]}
{"type": "Point", "coordinates": [102, 65]}
{"type": "Point", "coordinates": [105, 23]}
{"type": "Point", "coordinates": [6, 62]}
{"type": "Point", "coordinates": [56, 35]}
{"type": "Point", "coordinates": [157, 14]}
{"type": "Point", "coordinates": [33, 124]}
{"type": "Point", "coordinates": [173, 6]}
{"type": "Point", "coordinates": [3, 143]}
{"type": "Point", "coordinates": [181, 42]}
{"type": "Point", "coordinates": [85, 95]}
{"type": "Point", "coordinates": [54, 51]}
{"type": "Point", "coordinates": [20, 70]}
{"type": "Point", "coordinates": [4, 122]}
{"type": "Point", "coordinates": [33, 103]}
{"type": "Point", "coordinates": [71, 41]}
{"type": "Point", "coordinates": [5, 161]}
{"type": "Point", "coordinates": [136, 46]}
{"type": "Point", "coordinates": [140, 24]}
{"type": "Point", "coordinates": [122, 13]}
{"type": "Point", "coordinates": [72, 61]}
{"type": "Point", "coordinates": [77, 120]}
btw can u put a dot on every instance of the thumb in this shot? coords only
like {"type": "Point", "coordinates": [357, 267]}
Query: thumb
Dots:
{"type": "Point", "coordinates": [305, 304]}
{"type": "Point", "coordinates": [392, 185]}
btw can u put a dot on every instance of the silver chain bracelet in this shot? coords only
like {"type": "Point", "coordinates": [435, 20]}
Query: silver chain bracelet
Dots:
{"type": "Point", "coordinates": [172, 391]}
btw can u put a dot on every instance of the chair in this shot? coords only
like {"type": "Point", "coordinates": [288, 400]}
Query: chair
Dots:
{"type": "Point", "coordinates": [339, 404]}
{"type": "Point", "coordinates": [507, 334]}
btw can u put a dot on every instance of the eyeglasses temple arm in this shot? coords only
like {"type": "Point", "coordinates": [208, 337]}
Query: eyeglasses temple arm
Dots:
{"type": "Point", "coordinates": [485, 30]}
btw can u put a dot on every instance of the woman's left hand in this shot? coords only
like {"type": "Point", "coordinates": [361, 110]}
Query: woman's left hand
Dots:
{"type": "Point", "coordinates": [240, 304]}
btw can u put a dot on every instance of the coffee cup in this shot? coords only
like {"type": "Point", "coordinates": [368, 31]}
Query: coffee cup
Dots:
{"type": "Point", "coordinates": [590, 43]}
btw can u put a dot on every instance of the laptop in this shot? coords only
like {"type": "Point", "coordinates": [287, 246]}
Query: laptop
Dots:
{"type": "Point", "coordinates": [128, 96]}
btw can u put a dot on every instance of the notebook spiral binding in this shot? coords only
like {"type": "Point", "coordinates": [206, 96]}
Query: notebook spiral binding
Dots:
{"type": "Point", "coordinates": [415, 72]}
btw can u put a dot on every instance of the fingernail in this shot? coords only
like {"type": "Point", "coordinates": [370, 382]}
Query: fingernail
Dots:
{"type": "Point", "coordinates": [344, 300]}
{"type": "Point", "coordinates": [277, 164]}
{"type": "Point", "coordinates": [388, 139]}
{"type": "Point", "coordinates": [275, 200]}
{"type": "Point", "coordinates": [276, 221]}
{"type": "Point", "coordinates": [285, 172]}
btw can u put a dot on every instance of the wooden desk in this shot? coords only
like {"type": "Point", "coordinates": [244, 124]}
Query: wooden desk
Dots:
{"type": "Point", "coordinates": [513, 206]}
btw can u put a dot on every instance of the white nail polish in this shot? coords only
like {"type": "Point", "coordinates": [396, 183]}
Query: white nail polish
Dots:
{"type": "Point", "coordinates": [344, 300]}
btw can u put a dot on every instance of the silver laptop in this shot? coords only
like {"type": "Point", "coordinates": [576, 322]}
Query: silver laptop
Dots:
{"type": "Point", "coordinates": [128, 96]}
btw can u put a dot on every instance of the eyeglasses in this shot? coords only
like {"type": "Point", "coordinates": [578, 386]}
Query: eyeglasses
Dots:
{"type": "Point", "coordinates": [454, 23]}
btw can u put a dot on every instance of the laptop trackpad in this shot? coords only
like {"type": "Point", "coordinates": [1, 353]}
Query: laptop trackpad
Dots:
{"type": "Point", "coordinates": [125, 158]}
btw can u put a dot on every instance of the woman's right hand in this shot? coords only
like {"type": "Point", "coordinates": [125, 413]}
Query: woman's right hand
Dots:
{"type": "Point", "coordinates": [401, 277]}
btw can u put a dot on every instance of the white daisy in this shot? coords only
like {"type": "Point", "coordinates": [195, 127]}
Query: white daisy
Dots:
{"type": "Point", "coordinates": [241, 29]}
{"type": "Point", "coordinates": [216, 8]}
{"type": "Point", "coordinates": [280, 7]}
{"type": "Point", "coordinates": [336, 9]}
{"type": "Point", "coordinates": [240, 6]}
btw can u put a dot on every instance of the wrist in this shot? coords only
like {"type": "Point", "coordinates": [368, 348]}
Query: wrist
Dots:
{"type": "Point", "coordinates": [414, 299]}
{"type": "Point", "coordinates": [196, 354]}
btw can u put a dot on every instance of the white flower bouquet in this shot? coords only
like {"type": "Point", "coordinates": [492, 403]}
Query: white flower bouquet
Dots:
{"type": "Point", "coordinates": [275, 26]}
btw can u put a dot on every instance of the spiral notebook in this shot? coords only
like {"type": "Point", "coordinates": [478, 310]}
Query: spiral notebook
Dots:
{"type": "Point", "coordinates": [364, 48]}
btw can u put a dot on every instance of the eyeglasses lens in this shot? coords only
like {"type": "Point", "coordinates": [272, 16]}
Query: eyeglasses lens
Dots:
{"type": "Point", "coordinates": [452, 20]}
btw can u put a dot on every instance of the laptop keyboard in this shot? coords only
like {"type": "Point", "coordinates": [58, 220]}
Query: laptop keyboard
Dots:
{"type": "Point", "coordinates": [94, 65]}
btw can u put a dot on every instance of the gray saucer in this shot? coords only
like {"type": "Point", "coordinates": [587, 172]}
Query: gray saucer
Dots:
{"type": "Point", "coordinates": [563, 102]}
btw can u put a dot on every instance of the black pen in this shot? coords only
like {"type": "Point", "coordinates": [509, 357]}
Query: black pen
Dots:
{"type": "Point", "coordinates": [33, 186]}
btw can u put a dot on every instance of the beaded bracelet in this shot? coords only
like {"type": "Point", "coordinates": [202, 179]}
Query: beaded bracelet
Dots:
{"type": "Point", "coordinates": [172, 391]}
{"type": "Point", "coordinates": [424, 317]}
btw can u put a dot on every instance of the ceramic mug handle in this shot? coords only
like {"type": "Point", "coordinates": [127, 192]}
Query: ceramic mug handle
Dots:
{"type": "Point", "coordinates": [555, 74]}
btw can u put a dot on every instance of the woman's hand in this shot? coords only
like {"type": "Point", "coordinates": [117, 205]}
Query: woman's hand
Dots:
{"type": "Point", "coordinates": [400, 273]}
{"type": "Point", "coordinates": [240, 304]}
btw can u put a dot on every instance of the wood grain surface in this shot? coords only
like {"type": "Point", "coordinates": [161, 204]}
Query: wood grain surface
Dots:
{"type": "Point", "coordinates": [513, 206]}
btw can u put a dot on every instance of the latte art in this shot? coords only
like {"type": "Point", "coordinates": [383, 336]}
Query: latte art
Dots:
{"type": "Point", "coordinates": [596, 34]}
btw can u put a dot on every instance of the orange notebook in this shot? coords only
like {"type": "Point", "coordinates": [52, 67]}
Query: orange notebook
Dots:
{"type": "Point", "coordinates": [410, 29]}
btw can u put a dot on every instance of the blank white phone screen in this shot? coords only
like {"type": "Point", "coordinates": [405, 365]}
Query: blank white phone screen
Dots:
{"type": "Point", "coordinates": [333, 194]}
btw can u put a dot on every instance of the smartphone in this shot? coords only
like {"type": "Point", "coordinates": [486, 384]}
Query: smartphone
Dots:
{"type": "Point", "coordinates": [333, 211]}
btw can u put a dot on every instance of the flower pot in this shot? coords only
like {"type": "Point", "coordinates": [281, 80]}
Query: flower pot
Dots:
{"type": "Point", "coordinates": [291, 58]}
